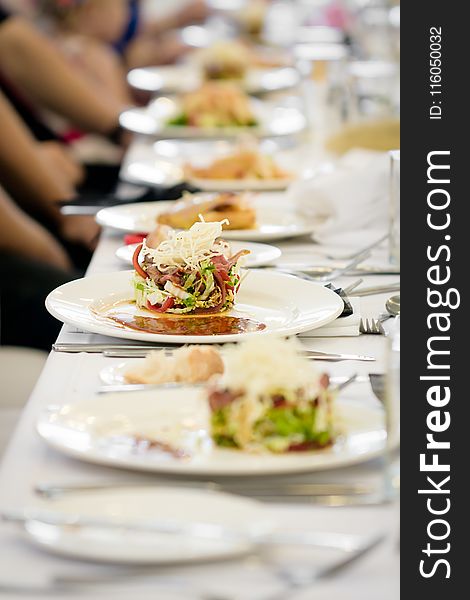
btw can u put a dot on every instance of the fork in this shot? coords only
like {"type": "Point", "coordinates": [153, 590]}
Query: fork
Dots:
{"type": "Point", "coordinates": [353, 254]}
{"type": "Point", "coordinates": [302, 581]}
{"type": "Point", "coordinates": [327, 274]}
{"type": "Point", "coordinates": [295, 583]}
{"type": "Point", "coordinates": [371, 326]}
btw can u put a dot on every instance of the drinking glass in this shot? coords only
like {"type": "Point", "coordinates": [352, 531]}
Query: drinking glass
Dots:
{"type": "Point", "coordinates": [394, 221]}
{"type": "Point", "coordinates": [391, 479]}
{"type": "Point", "coordinates": [392, 412]}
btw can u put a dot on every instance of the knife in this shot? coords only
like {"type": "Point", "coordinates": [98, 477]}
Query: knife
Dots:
{"type": "Point", "coordinates": [199, 529]}
{"type": "Point", "coordinates": [137, 352]}
{"type": "Point", "coordinates": [99, 348]}
{"type": "Point", "coordinates": [379, 289]}
{"type": "Point", "coordinates": [142, 387]}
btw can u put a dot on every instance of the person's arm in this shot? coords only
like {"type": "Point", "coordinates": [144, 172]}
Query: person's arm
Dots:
{"type": "Point", "coordinates": [22, 236]}
{"type": "Point", "coordinates": [31, 179]}
{"type": "Point", "coordinates": [24, 172]}
{"type": "Point", "coordinates": [102, 67]}
{"type": "Point", "coordinates": [32, 63]}
{"type": "Point", "coordinates": [194, 11]}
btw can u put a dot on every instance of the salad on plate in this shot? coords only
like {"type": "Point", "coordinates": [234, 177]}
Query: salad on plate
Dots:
{"type": "Point", "coordinates": [271, 398]}
{"type": "Point", "coordinates": [215, 105]}
{"type": "Point", "coordinates": [189, 272]}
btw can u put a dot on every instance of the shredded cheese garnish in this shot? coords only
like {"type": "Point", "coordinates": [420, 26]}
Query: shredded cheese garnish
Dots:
{"type": "Point", "coordinates": [265, 364]}
{"type": "Point", "coordinates": [187, 248]}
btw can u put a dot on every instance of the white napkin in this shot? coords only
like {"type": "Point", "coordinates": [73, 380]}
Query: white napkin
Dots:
{"type": "Point", "coordinates": [353, 196]}
{"type": "Point", "coordinates": [344, 326]}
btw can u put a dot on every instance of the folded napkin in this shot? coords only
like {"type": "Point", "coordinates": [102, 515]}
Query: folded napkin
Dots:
{"type": "Point", "coordinates": [342, 326]}
{"type": "Point", "coordinates": [353, 196]}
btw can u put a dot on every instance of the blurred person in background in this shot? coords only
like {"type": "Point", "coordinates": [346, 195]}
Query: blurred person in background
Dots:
{"type": "Point", "coordinates": [39, 176]}
{"type": "Point", "coordinates": [85, 31]}
{"type": "Point", "coordinates": [36, 79]}
{"type": "Point", "coordinates": [39, 247]}
{"type": "Point", "coordinates": [32, 264]}
{"type": "Point", "coordinates": [34, 75]}
{"type": "Point", "coordinates": [97, 32]}
{"type": "Point", "coordinates": [152, 40]}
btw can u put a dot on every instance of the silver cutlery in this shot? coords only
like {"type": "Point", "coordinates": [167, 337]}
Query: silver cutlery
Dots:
{"type": "Point", "coordinates": [371, 326]}
{"type": "Point", "coordinates": [297, 580]}
{"type": "Point", "coordinates": [377, 383]}
{"type": "Point", "coordinates": [379, 289]}
{"type": "Point", "coordinates": [137, 352]}
{"type": "Point", "coordinates": [325, 273]}
{"type": "Point", "coordinates": [63, 583]}
{"type": "Point", "coordinates": [143, 387]}
{"type": "Point", "coordinates": [141, 351]}
{"type": "Point", "coordinates": [52, 490]}
{"type": "Point", "coordinates": [100, 348]}
{"type": "Point", "coordinates": [353, 254]}
{"type": "Point", "coordinates": [322, 494]}
{"type": "Point", "coordinates": [393, 305]}
{"type": "Point", "coordinates": [202, 529]}
{"type": "Point", "coordinates": [352, 286]}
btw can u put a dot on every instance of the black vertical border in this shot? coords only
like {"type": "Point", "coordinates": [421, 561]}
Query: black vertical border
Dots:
{"type": "Point", "coordinates": [420, 135]}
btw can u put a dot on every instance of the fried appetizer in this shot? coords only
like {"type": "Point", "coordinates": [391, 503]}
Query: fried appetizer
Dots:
{"type": "Point", "coordinates": [189, 364]}
{"type": "Point", "coordinates": [234, 208]}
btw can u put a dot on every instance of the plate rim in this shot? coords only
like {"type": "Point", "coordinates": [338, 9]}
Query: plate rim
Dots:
{"type": "Point", "coordinates": [162, 131]}
{"type": "Point", "coordinates": [187, 339]}
{"type": "Point", "coordinates": [241, 242]}
{"type": "Point", "coordinates": [202, 555]}
{"type": "Point", "coordinates": [254, 235]}
{"type": "Point", "coordinates": [185, 469]}
{"type": "Point", "coordinates": [184, 68]}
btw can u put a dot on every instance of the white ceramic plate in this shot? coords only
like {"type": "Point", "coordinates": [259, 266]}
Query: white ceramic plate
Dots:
{"type": "Point", "coordinates": [140, 505]}
{"type": "Point", "coordinates": [286, 305]}
{"type": "Point", "coordinates": [260, 254]}
{"type": "Point", "coordinates": [103, 430]}
{"type": "Point", "coordinates": [239, 185]}
{"type": "Point", "coordinates": [153, 120]}
{"type": "Point", "coordinates": [114, 374]}
{"type": "Point", "coordinates": [162, 163]}
{"type": "Point", "coordinates": [273, 223]}
{"type": "Point", "coordinates": [183, 78]}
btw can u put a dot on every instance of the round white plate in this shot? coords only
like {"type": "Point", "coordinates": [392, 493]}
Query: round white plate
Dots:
{"type": "Point", "coordinates": [162, 163]}
{"type": "Point", "coordinates": [240, 185]}
{"type": "Point", "coordinates": [153, 120]}
{"type": "Point", "coordinates": [102, 430]}
{"type": "Point", "coordinates": [285, 304]}
{"type": "Point", "coordinates": [144, 504]}
{"type": "Point", "coordinates": [114, 374]}
{"type": "Point", "coordinates": [183, 78]}
{"type": "Point", "coordinates": [273, 223]}
{"type": "Point", "coordinates": [260, 254]}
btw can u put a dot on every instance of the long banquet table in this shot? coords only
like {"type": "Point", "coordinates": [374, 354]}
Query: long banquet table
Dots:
{"type": "Point", "coordinates": [68, 378]}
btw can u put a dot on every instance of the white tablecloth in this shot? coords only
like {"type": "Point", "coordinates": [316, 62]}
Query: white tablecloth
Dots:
{"type": "Point", "coordinates": [70, 377]}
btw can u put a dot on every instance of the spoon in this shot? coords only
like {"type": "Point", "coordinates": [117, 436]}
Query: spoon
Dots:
{"type": "Point", "coordinates": [393, 305]}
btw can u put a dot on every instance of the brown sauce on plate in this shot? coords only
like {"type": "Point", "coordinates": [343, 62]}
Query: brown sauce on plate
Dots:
{"type": "Point", "coordinates": [187, 325]}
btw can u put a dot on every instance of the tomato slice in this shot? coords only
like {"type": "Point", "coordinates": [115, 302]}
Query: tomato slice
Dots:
{"type": "Point", "coordinates": [225, 276]}
{"type": "Point", "coordinates": [134, 238]}
{"type": "Point", "coordinates": [135, 262]}
{"type": "Point", "coordinates": [169, 303]}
